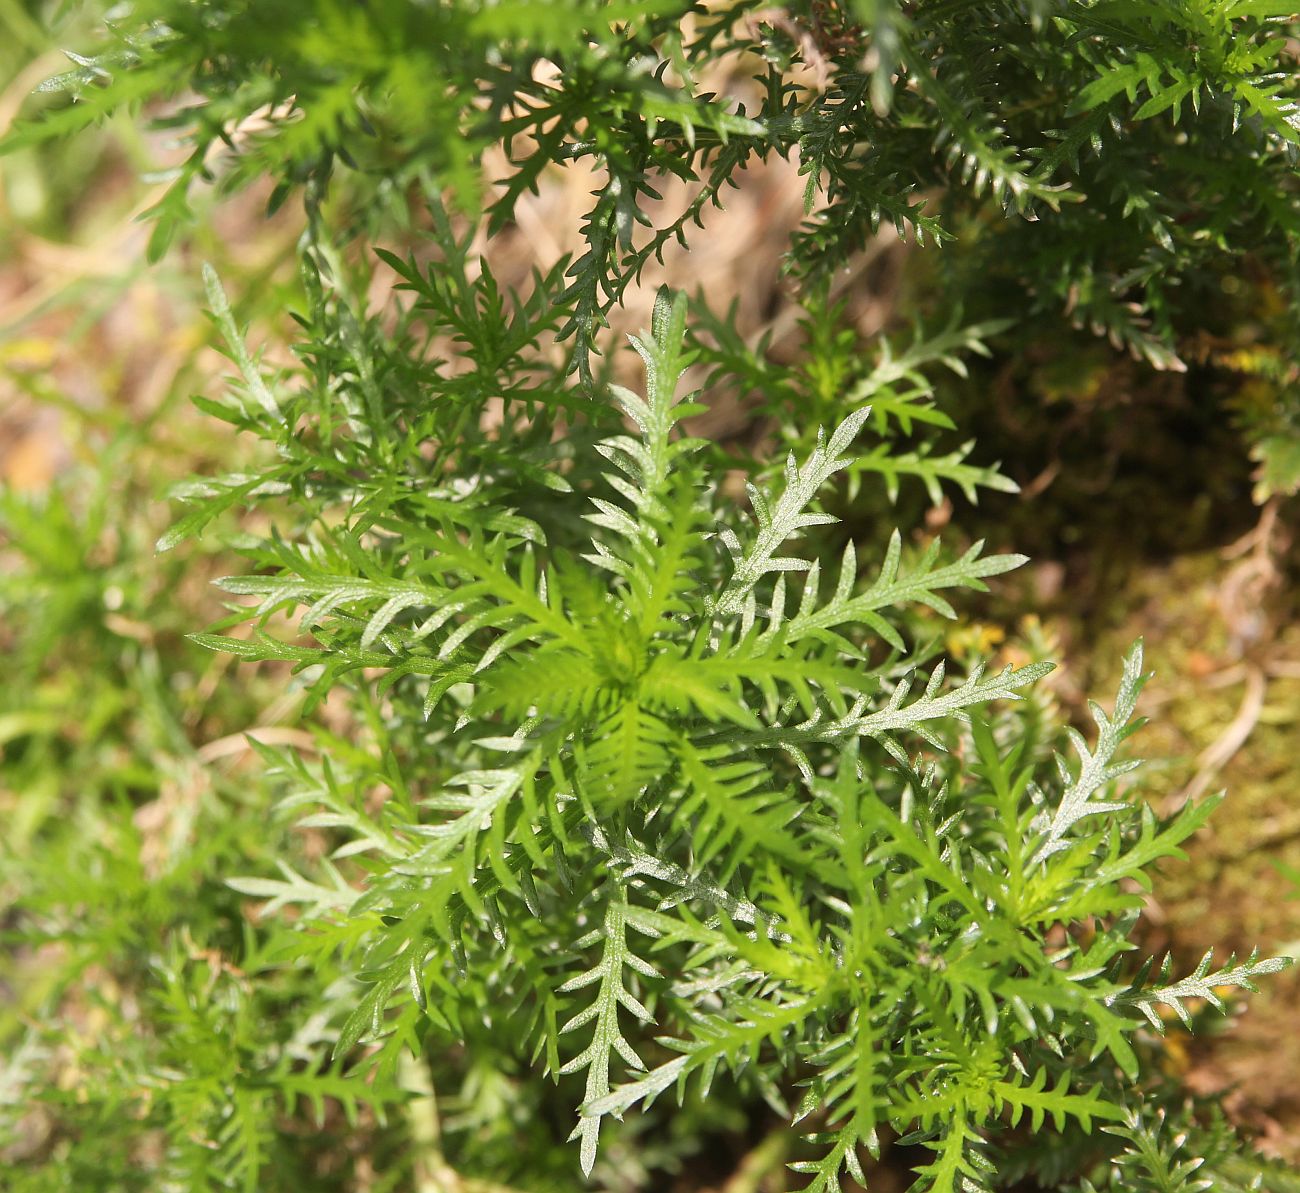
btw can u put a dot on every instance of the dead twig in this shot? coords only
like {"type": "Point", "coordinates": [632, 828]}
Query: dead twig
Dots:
{"type": "Point", "coordinates": [1217, 755]}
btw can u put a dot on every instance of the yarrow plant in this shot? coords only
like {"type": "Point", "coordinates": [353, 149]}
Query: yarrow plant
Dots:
{"type": "Point", "coordinates": [638, 790]}
{"type": "Point", "coordinates": [669, 805]}
{"type": "Point", "coordinates": [1105, 162]}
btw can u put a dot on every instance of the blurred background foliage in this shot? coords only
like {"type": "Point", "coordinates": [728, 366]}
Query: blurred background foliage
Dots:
{"type": "Point", "coordinates": [128, 785]}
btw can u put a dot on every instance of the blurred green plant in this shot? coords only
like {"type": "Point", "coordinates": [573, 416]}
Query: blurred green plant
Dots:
{"type": "Point", "coordinates": [1107, 159]}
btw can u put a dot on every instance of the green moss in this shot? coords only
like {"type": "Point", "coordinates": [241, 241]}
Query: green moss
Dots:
{"type": "Point", "coordinates": [1230, 892]}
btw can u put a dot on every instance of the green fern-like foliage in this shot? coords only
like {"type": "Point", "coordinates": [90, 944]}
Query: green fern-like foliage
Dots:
{"type": "Point", "coordinates": [686, 810]}
{"type": "Point", "coordinates": [613, 785]}
{"type": "Point", "coordinates": [1105, 160]}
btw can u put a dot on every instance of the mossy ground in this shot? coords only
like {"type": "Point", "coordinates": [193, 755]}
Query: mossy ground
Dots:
{"type": "Point", "coordinates": [1210, 689]}
{"type": "Point", "coordinates": [1137, 510]}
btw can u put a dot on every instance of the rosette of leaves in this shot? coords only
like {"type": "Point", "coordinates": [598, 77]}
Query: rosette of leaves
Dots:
{"type": "Point", "coordinates": [680, 814]}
